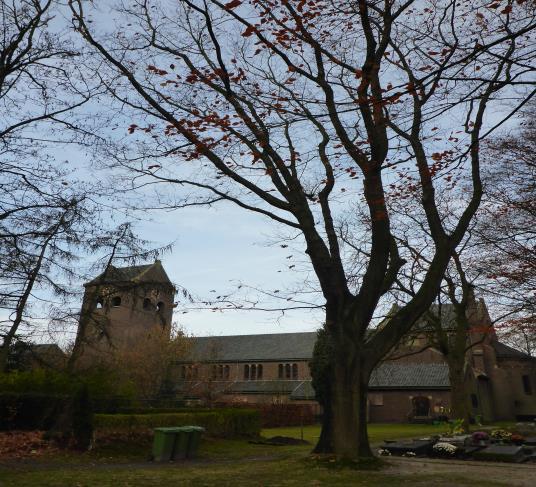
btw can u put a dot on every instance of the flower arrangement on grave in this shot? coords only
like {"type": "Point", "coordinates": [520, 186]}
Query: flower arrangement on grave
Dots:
{"type": "Point", "coordinates": [409, 454]}
{"type": "Point", "coordinates": [479, 437]}
{"type": "Point", "coordinates": [502, 435]}
{"type": "Point", "coordinates": [383, 452]}
{"type": "Point", "coordinates": [444, 449]}
{"type": "Point", "coordinates": [517, 439]}
{"type": "Point", "coordinates": [455, 427]}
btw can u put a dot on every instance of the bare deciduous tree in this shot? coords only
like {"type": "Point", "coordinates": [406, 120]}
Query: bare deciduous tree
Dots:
{"type": "Point", "coordinates": [294, 109]}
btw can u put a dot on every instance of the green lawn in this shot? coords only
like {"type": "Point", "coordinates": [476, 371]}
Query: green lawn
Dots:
{"type": "Point", "coordinates": [377, 432]}
{"type": "Point", "coordinates": [221, 463]}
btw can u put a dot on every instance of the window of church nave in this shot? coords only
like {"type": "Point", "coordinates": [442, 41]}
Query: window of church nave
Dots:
{"type": "Point", "coordinates": [288, 371]}
{"type": "Point", "coordinates": [253, 371]}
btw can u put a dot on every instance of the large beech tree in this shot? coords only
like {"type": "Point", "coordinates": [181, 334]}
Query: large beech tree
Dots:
{"type": "Point", "coordinates": [294, 108]}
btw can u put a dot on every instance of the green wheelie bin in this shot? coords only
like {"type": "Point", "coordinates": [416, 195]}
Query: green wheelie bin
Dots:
{"type": "Point", "coordinates": [194, 438]}
{"type": "Point", "coordinates": [176, 443]}
{"type": "Point", "coordinates": [163, 444]}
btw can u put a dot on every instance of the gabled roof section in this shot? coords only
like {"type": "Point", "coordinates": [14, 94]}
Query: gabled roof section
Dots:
{"type": "Point", "coordinates": [506, 352]}
{"type": "Point", "coordinates": [410, 376]}
{"type": "Point", "coordinates": [245, 348]}
{"type": "Point", "coordinates": [149, 273]}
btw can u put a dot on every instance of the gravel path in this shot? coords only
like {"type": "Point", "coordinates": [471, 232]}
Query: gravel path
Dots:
{"type": "Point", "coordinates": [518, 475]}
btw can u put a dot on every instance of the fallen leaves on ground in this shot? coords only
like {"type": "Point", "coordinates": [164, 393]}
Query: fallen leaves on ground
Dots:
{"type": "Point", "coordinates": [21, 444]}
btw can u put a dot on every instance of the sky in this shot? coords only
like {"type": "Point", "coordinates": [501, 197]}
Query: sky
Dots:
{"type": "Point", "coordinates": [216, 249]}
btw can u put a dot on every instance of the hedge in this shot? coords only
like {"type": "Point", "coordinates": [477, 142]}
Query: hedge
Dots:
{"type": "Point", "coordinates": [283, 414]}
{"type": "Point", "coordinates": [222, 423]}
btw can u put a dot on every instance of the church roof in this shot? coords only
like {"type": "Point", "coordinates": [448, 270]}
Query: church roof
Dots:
{"type": "Point", "coordinates": [243, 348]}
{"type": "Point", "coordinates": [410, 376]}
{"type": "Point", "coordinates": [504, 351]}
{"type": "Point", "coordinates": [149, 273]}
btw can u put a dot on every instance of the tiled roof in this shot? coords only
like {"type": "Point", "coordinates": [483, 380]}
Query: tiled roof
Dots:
{"type": "Point", "coordinates": [504, 351]}
{"type": "Point", "coordinates": [394, 376]}
{"type": "Point", "coordinates": [149, 273]}
{"type": "Point", "coordinates": [410, 376]}
{"type": "Point", "coordinates": [242, 348]}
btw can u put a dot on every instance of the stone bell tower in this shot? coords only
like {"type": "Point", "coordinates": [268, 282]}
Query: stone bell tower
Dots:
{"type": "Point", "coordinates": [121, 308]}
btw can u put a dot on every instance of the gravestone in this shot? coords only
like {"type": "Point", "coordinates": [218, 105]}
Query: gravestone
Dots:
{"type": "Point", "coordinates": [417, 447]}
{"type": "Point", "coordinates": [501, 453]}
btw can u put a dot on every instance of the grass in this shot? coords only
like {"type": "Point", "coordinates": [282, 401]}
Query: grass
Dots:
{"type": "Point", "coordinates": [377, 432]}
{"type": "Point", "coordinates": [221, 463]}
{"type": "Point", "coordinates": [281, 472]}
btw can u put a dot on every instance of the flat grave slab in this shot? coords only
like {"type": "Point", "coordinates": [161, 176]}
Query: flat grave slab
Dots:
{"type": "Point", "coordinates": [417, 447]}
{"type": "Point", "coordinates": [501, 453]}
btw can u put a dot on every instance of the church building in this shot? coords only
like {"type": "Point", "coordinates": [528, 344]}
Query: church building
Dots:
{"type": "Point", "coordinates": [123, 305]}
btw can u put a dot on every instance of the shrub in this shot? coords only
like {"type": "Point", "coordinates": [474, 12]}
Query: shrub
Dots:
{"type": "Point", "coordinates": [223, 423]}
{"type": "Point", "coordinates": [101, 383]}
{"type": "Point", "coordinates": [38, 381]}
{"type": "Point", "coordinates": [30, 411]}
{"type": "Point", "coordinates": [281, 414]}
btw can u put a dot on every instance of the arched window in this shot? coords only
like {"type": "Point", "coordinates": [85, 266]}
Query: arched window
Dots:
{"type": "Point", "coordinates": [253, 370]}
{"type": "Point", "coordinates": [226, 371]}
{"type": "Point", "coordinates": [280, 371]}
{"type": "Point", "coordinates": [98, 304]}
{"type": "Point", "coordinates": [259, 371]}
{"type": "Point", "coordinates": [160, 306]}
{"type": "Point", "coordinates": [116, 301]}
{"type": "Point", "coordinates": [287, 371]}
{"type": "Point", "coordinates": [246, 371]}
{"type": "Point", "coordinates": [214, 371]}
{"type": "Point", "coordinates": [147, 304]}
{"type": "Point", "coordinates": [183, 372]}
{"type": "Point", "coordinates": [294, 371]}
{"type": "Point", "coordinates": [220, 372]}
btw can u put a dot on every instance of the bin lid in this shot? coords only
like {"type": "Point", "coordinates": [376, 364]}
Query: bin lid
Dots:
{"type": "Point", "coordinates": [167, 429]}
{"type": "Point", "coordinates": [190, 429]}
{"type": "Point", "coordinates": [179, 429]}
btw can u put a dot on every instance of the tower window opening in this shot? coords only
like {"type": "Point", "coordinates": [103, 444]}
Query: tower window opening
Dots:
{"type": "Point", "coordinates": [116, 301]}
{"type": "Point", "coordinates": [147, 303]}
{"type": "Point", "coordinates": [98, 305]}
{"type": "Point", "coordinates": [160, 306]}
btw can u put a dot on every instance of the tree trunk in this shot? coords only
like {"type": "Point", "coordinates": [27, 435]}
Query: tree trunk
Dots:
{"type": "Point", "coordinates": [344, 425]}
{"type": "Point", "coordinates": [459, 398]}
{"type": "Point", "coordinates": [349, 405]}
{"type": "Point", "coordinates": [4, 355]}
{"type": "Point", "coordinates": [325, 441]}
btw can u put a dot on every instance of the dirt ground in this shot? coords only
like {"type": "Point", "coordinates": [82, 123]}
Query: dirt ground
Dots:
{"type": "Point", "coordinates": [518, 475]}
